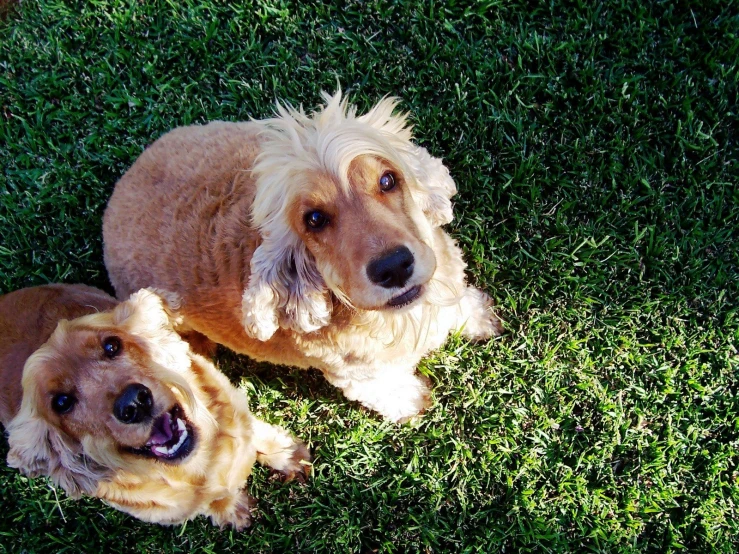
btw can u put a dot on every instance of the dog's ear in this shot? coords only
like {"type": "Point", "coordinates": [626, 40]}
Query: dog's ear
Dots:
{"type": "Point", "coordinates": [434, 186]}
{"type": "Point", "coordinates": [152, 315]}
{"type": "Point", "coordinates": [37, 448]}
{"type": "Point", "coordinates": [148, 310]}
{"type": "Point", "coordinates": [284, 290]}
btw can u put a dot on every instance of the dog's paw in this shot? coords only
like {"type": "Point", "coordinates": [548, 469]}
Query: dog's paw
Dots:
{"type": "Point", "coordinates": [418, 409]}
{"type": "Point", "coordinates": [280, 451]}
{"type": "Point", "coordinates": [236, 512]}
{"type": "Point", "coordinates": [483, 328]}
{"type": "Point", "coordinates": [295, 467]}
{"type": "Point", "coordinates": [482, 322]}
{"type": "Point", "coordinates": [412, 404]}
{"type": "Point", "coordinates": [399, 398]}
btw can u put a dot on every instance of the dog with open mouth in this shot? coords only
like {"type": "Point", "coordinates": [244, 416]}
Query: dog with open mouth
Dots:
{"type": "Point", "coordinates": [108, 401]}
{"type": "Point", "coordinates": [305, 240]}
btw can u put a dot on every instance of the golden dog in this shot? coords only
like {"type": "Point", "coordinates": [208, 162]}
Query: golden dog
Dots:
{"type": "Point", "coordinates": [115, 405]}
{"type": "Point", "coordinates": [312, 241]}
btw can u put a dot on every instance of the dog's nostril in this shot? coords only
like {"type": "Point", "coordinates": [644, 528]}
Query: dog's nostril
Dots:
{"type": "Point", "coordinates": [143, 397]}
{"type": "Point", "coordinates": [128, 414]}
{"type": "Point", "coordinates": [392, 269]}
{"type": "Point", "coordinates": [134, 404]}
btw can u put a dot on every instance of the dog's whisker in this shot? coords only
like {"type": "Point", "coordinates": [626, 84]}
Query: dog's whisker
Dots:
{"type": "Point", "coordinates": [342, 296]}
{"type": "Point", "coordinates": [440, 299]}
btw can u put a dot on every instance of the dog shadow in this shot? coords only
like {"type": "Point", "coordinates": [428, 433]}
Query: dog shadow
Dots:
{"type": "Point", "coordinates": [288, 382]}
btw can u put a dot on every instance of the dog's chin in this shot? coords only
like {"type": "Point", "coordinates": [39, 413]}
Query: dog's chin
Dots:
{"type": "Point", "coordinates": [172, 438]}
{"type": "Point", "coordinates": [404, 299]}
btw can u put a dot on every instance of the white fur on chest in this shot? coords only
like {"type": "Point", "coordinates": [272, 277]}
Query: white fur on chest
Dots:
{"type": "Point", "coordinates": [371, 342]}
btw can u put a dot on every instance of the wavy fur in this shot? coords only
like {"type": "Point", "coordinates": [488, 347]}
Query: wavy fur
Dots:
{"type": "Point", "coordinates": [266, 284]}
{"type": "Point", "coordinates": [286, 289]}
{"type": "Point", "coordinates": [89, 451]}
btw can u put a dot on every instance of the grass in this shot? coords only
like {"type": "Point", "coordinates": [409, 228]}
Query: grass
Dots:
{"type": "Point", "coordinates": [595, 149]}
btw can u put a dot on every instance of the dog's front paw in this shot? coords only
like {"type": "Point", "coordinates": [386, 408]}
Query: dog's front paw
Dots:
{"type": "Point", "coordinates": [297, 466]}
{"type": "Point", "coordinates": [236, 512]}
{"type": "Point", "coordinates": [280, 451]}
{"type": "Point", "coordinates": [483, 328]}
{"type": "Point", "coordinates": [396, 397]}
{"type": "Point", "coordinates": [416, 409]}
{"type": "Point", "coordinates": [482, 322]}
{"type": "Point", "coordinates": [412, 402]}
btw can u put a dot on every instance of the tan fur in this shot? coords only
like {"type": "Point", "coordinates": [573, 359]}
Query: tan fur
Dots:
{"type": "Point", "coordinates": [216, 215]}
{"type": "Point", "coordinates": [88, 450]}
{"type": "Point", "coordinates": [27, 319]}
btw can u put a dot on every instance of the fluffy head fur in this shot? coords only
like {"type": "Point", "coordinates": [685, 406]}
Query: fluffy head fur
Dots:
{"type": "Point", "coordinates": [311, 240]}
{"type": "Point", "coordinates": [332, 161]}
{"type": "Point", "coordinates": [78, 448]}
{"type": "Point", "coordinates": [190, 452]}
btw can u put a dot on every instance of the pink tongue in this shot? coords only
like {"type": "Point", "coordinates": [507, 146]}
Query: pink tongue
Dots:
{"type": "Point", "coordinates": [162, 431]}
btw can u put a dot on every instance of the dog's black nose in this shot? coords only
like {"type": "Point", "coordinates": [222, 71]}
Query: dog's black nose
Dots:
{"type": "Point", "coordinates": [392, 269]}
{"type": "Point", "coordinates": [134, 404]}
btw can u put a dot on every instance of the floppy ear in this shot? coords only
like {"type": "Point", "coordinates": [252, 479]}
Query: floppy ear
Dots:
{"type": "Point", "coordinates": [37, 448]}
{"type": "Point", "coordinates": [284, 290]}
{"type": "Point", "coordinates": [152, 315]}
{"type": "Point", "coordinates": [435, 186]}
{"type": "Point", "coordinates": [148, 310]}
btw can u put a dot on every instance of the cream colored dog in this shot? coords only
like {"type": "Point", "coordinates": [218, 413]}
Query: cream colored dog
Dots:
{"type": "Point", "coordinates": [115, 405]}
{"type": "Point", "coordinates": [312, 241]}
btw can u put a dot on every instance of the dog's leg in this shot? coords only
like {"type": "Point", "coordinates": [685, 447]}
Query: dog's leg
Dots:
{"type": "Point", "coordinates": [279, 450]}
{"type": "Point", "coordinates": [199, 343]}
{"type": "Point", "coordinates": [234, 510]}
{"type": "Point", "coordinates": [396, 392]}
{"type": "Point", "coordinates": [478, 321]}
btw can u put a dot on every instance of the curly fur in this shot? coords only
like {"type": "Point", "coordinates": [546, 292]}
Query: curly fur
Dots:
{"type": "Point", "coordinates": [88, 450]}
{"type": "Point", "coordinates": [223, 229]}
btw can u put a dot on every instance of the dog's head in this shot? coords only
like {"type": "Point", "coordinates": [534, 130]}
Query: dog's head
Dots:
{"type": "Point", "coordinates": [104, 393]}
{"type": "Point", "coordinates": [345, 206]}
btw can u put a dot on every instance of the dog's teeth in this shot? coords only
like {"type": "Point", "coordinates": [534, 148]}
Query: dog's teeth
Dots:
{"type": "Point", "coordinates": [183, 436]}
{"type": "Point", "coordinates": [181, 425]}
{"type": "Point", "coordinates": [164, 451]}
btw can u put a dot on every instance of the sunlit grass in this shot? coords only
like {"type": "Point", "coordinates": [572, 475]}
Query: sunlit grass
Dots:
{"type": "Point", "coordinates": [595, 149]}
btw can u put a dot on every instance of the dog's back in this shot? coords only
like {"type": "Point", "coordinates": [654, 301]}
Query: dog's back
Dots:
{"type": "Point", "coordinates": [27, 319]}
{"type": "Point", "coordinates": [178, 219]}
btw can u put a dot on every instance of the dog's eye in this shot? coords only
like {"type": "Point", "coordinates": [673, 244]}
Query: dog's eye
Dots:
{"type": "Point", "coordinates": [387, 181]}
{"type": "Point", "coordinates": [112, 347]}
{"type": "Point", "coordinates": [62, 403]}
{"type": "Point", "coordinates": [316, 219]}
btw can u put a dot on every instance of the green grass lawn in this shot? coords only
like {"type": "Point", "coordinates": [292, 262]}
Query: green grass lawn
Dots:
{"type": "Point", "coordinates": [595, 149]}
